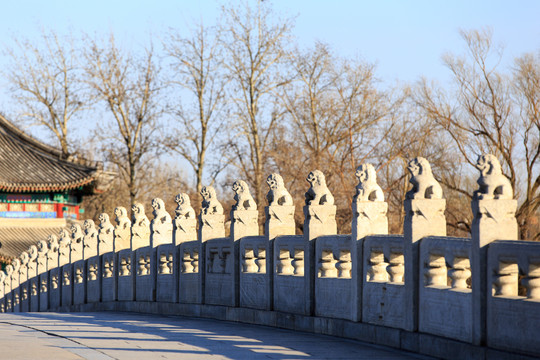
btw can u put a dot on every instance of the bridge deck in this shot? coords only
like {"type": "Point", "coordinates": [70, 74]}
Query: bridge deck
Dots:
{"type": "Point", "coordinates": [113, 335]}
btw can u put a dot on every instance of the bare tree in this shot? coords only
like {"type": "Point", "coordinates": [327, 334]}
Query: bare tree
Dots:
{"type": "Point", "coordinates": [197, 64]}
{"type": "Point", "coordinates": [255, 55]}
{"type": "Point", "coordinates": [45, 80]}
{"type": "Point", "coordinates": [337, 118]}
{"type": "Point", "coordinates": [488, 114]}
{"type": "Point", "coordinates": [129, 88]}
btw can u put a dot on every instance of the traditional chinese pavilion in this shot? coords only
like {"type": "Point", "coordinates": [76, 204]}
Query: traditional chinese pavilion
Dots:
{"type": "Point", "coordinates": [40, 190]}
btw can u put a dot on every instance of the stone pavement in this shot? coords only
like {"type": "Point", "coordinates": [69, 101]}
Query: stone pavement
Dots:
{"type": "Point", "coordinates": [113, 335]}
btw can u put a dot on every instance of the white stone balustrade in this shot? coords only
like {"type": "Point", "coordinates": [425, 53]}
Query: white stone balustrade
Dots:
{"type": "Point", "coordinates": [421, 288]}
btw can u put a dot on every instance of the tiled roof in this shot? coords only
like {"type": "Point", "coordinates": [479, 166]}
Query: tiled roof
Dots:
{"type": "Point", "coordinates": [28, 165]}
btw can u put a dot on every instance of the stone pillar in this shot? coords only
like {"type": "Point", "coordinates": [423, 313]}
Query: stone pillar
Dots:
{"type": "Point", "coordinates": [244, 222]}
{"type": "Point", "coordinates": [122, 230]}
{"type": "Point", "coordinates": [494, 218]}
{"type": "Point", "coordinates": [65, 279]}
{"type": "Point", "coordinates": [161, 226]}
{"type": "Point", "coordinates": [369, 218]}
{"type": "Point", "coordinates": [211, 226]}
{"type": "Point", "coordinates": [319, 220]}
{"type": "Point", "coordinates": [140, 228]}
{"type": "Point", "coordinates": [76, 244]}
{"type": "Point", "coordinates": [424, 216]}
{"type": "Point", "coordinates": [280, 210]}
{"type": "Point", "coordinates": [189, 250]}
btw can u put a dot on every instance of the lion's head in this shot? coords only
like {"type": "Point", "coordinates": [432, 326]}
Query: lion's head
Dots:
{"type": "Point", "coordinates": [488, 164]}
{"type": "Point", "coordinates": [16, 263]}
{"type": "Point", "coordinates": [103, 219]}
{"type": "Point", "coordinates": [24, 258]}
{"type": "Point", "coordinates": [366, 174]}
{"type": "Point", "coordinates": [182, 199]}
{"type": "Point", "coordinates": [120, 212]}
{"type": "Point", "coordinates": [275, 181]}
{"type": "Point", "coordinates": [76, 232]}
{"type": "Point", "coordinates": [419, 166]}
{"type": "Point", "coordinates": [316, 179]}
{"type": "Point", "coordinates": [138, 210]}
{"type": "Point", "coordinates": [9, 270]}
{"type": "Point", "coordinates": [240, 187]}
{"type": "Point", "coordinates": [208, 193]}
{"type": "Point", "coordinates": [88, 225]}
{"type": "Point", "coordinates": [33, 252]}
{"type": "Point", "coordinates": [158, 205]}
{"type": "Point", "coordinates": [64, 238]}
{"type": "Point", "coordinates": [42, 246]}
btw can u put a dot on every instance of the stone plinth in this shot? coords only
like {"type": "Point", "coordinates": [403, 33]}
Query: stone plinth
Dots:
{"type": "Point", "coordinates": [184, 230]}
{"type": "Point", "coordinates": [423, 217]}
{"type": "Point", "coordinates": [140, 235]}
{"type": "Point", "coordinates": [493, 219]}
{"type": "Point", "coordinates": [279, 221]}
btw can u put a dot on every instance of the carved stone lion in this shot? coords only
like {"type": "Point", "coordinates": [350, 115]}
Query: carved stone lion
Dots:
{"type": "Point", "coordinates": [161, 216]}
{"type": "Point", "coordinates": [76, 233]}
{"type": "Point", "coordinates": [64, 239]}
{"type": "Point", "coordinates": [2, 277]}
{"type": "Point", "coordinates": [210, 203]}
{"type": "Point", "coordinates": [493, 184]}
{"type": "Point", "coordinates": [184, 209]}
{"type": "Point", "coordinates": [318, 193]}
{"type": "Point", "coordinates": [16, 263]}
{"type": "Point", "coordinates": [122, 220]}
{"type": "Point", "coordinates": [278, 194]}
{"type": "Point", "coordinates": [24, 258]}
{"type": "Point", "coordinates": [367, 188]}
{"type": "Point", "coordinates": [53, 243]}
{"type": "Point", "coordinates": [42, 247]}
{"type": "Point", "coordinates": [424, 184]}
{"type": "Point", "coordinates": [139, 216]}
{"type": "Point", "coordinates": [243, 198]}
{"type": "Point", "coordinates": [90, 228]}
{"type": "Point", "coordinates": [105, 225]}
{"type": "Point", "coordinates": [33, 252]}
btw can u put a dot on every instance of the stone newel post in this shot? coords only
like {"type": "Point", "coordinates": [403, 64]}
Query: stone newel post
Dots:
{"type": "Point", "coordinates": [211, 226]}
{"type": "Point", "coordinates": [369, 218]}
{"type": "Point", "coordinates": [494, 218]}
{"type": "Point", "coordinates": [319, 220]}
{"type": "Point", "coordinates": [280, 210]}
{"type": "Point", "coordinates": [424, 216]}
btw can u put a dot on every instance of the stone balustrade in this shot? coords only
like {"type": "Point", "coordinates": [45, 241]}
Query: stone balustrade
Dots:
{"type": "Point", "coordinates": [421, 291]}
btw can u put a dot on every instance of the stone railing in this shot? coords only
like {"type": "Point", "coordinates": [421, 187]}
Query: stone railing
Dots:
{"type": "Point", "coordinates": [421, 291]}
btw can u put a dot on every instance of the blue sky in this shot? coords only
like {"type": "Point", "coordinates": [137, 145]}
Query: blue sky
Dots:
{"type": "Point", "coordinates": [404, 38]}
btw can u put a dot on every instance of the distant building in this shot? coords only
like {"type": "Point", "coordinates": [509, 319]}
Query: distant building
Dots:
{"type": "Point", "coordinates": [40, 191]}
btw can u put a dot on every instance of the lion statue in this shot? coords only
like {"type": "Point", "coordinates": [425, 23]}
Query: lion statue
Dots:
{"type": "Point", "coordinates": [16, 263]}
{"type": "Point", "coordinates": [139, 217]}
{"type": "Point", "coordinates": [52, 243]}
{"type": "Point", "coordinates": [277, 195]}
{"type": "Point", "coordinates": [42, 247]}
{"type": "Point", "coordinates": [122, 220]}
{"type": "Point", "coordinates": [318, 193]}
{"type": "Point", "coordinates": [161, 219]}
{"type": "Point", "coordinates": [367, 188]}
{"type": "Point", "coordinates": [184, 210]}
{"type": "Point", "coordinates": [33, 252]}
{"type": "Point", "coordinates": [493, 184]}
{"type": "Point", "coordinates": [210, 203]}
{"type": "Point", "coordinates": [64, 239]}
{"type": "Point", "coordinates": [89, 228]}
{"type": "Point", "coordinates": [424, 184]}
{"type": "Point", "coordinates": [9, 270]}
{"type": "Point", "coordinates": [105, 225]}
{"type": "Point", "coordinates": [243, 198]}
{"type": "Point", "coordinates": [77, 233]}
{"type": "Point", "coordinates": [2, 277]}
{"type": "Point", "coordinates": [24, 258]}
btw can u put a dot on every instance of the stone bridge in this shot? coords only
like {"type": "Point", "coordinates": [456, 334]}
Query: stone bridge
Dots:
{"type": "Point", "coordinates": [422, 291]}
